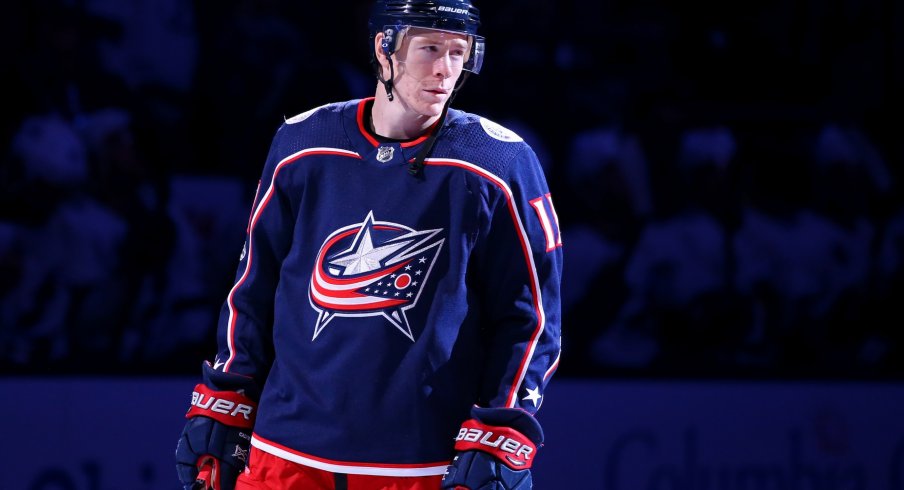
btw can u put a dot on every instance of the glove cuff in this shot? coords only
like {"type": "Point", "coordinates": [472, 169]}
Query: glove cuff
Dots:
{"type": "Point", "coordinates": [509, 446]}
{"type": "Point", "coordinates": [227, 407]}
{"type": "Point", "coordinates": [515, 418]}
{"type": "Point", "coordinates": [222, 381]}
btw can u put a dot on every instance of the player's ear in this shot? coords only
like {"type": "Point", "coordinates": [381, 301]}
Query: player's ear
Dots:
{"type": "Point", "coordinates": [382, 60]}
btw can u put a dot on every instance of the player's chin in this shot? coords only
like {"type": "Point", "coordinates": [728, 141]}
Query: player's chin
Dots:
{"type": "Point", "coordinates": [432, 104]}
{"type": "Point", "coordinates": [432, 110]}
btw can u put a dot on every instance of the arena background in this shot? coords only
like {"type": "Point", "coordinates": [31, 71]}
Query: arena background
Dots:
{"type": "Point", "coordinates": [728, 180]}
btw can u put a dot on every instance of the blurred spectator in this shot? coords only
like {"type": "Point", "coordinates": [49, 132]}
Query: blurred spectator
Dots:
{"type": "Point", "coordinates": [851, 184]}
{"type": "Point", "coordinates": [883, 347]}
{"type": "Point", "coordinates": [846, 163]}
{"type": "Point", "coordinates": [804, 253]}
{"type": "Point", "coordinates": [90, 236]}
{"type": "Point", "coordinates": [176, 312]}
{"type": "Point", "coordinates": [608, 200]}
{"type": "Point", "coordinates": [608, 176]}
{"type": "Point", "coordinates": [126, 184]}
{"type": "Point", "coordinates": [680, 309]}
{"type": "Point", "coordinates": [69, 268]}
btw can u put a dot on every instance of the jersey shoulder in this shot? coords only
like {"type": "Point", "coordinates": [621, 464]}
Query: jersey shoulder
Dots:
{"type": "Point", "coordinates": [320, 127]}
{"type": "Point", "coordinates": [332, 109]}
{"type": "Point", "coordinates": [483, 142]}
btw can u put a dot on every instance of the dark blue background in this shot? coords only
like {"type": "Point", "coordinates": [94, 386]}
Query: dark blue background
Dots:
{"type": "Point", "coordinates": [727, 177]}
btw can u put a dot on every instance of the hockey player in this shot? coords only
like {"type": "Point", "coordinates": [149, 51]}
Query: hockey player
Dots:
{"type": "Point", "coordinates": [395, 314]}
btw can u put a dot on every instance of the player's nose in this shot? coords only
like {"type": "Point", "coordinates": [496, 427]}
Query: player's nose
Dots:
{"type": "Point", "coordinates": [442, 66]}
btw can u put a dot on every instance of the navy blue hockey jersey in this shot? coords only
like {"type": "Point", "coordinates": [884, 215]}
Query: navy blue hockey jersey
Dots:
{"type": "Point", "coordinates": [376, 307]}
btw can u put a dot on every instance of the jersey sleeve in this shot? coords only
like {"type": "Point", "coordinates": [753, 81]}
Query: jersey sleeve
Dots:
{"type": "Point", "coordinates": [244, 330]}
{"type": "Point", "coordinates": [519, 270]}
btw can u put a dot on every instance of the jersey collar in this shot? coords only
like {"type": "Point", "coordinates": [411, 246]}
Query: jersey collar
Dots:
{"type": "Point", "coordinates": [364, 127]}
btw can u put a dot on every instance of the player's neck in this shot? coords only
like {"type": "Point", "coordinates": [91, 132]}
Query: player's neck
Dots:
{"type": "Point", "coordinates": [392, 119]}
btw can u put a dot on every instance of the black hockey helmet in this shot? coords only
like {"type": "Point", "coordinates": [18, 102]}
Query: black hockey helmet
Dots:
{"type": "Point", "coordinates": [393, 17]}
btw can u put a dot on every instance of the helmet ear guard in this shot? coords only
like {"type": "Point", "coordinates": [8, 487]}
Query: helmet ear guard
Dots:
{"type": "Point", "coordinates": [390, 34]}
{"type": "Point", "coordinates": [387, 47]}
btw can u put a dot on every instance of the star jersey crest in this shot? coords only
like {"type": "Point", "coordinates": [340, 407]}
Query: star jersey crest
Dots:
{"type": "Point", "coordinates": [372, 268]}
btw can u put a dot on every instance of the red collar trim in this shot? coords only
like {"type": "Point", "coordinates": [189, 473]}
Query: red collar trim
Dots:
{"type": "Point", "coordinates": [367, 134]}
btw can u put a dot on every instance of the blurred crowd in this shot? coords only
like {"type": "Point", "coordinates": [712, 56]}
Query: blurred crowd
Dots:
{"type": "Point", "coordinates": [729, 191]}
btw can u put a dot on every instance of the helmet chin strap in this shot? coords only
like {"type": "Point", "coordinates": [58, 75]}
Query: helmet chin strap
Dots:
{"type": "Point", "coordinates": [387, 84]}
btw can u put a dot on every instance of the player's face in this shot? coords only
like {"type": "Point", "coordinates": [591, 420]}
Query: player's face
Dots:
{"type": "Point", "coordinates": [428, 63]}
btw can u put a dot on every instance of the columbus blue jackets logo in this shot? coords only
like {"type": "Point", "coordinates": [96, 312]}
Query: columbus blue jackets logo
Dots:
{"type": "Point", "coordinates": [373, 268]}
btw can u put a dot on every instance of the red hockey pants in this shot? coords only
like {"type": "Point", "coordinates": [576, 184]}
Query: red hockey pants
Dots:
{"type": "Point", "coordinates": [268, 472]}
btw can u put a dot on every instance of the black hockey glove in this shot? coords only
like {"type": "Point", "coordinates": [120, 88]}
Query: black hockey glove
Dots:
{"type": "Point", "coordinates": [213, 448]}
{"type": "Point", "coordinates": [496, 449]}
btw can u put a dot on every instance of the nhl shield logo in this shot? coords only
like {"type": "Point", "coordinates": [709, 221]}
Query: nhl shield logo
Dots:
{"type": "Point", "coordinates": [384, 154]}
{"type": "Point", "coordinates": [372, 268]}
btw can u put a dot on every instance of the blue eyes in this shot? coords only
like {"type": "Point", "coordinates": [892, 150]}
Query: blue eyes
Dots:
{"type": "Point", "coordinates": [435, 49]}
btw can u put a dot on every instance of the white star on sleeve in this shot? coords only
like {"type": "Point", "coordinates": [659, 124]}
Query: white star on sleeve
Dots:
{"type": "Point", "coordinates": [533, 395]}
